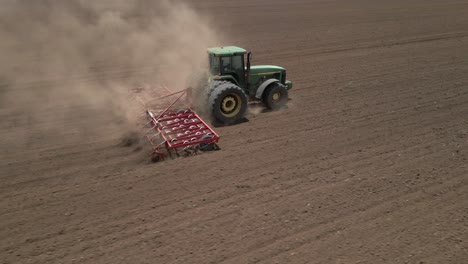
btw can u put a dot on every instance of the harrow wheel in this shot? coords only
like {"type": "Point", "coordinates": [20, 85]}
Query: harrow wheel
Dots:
{"type": "Point", "coordinates": [275, 97]}
{"type": "Point", "coordinates": [228, 103]}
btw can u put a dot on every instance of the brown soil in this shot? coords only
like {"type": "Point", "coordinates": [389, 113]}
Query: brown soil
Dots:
{"type": "Point", "coordinates": [367, 165]}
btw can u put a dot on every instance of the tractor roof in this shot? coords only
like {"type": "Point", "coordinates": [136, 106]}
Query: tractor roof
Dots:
{"type": "Point", "coordinates": [227, 50]}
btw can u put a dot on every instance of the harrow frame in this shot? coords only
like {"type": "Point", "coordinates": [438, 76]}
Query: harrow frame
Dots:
{"type": "Point", "coordinates": [181, 130]}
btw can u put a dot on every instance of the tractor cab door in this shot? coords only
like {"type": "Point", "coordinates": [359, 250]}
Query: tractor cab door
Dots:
{"type": "Point", "coordinates": [234, 65]}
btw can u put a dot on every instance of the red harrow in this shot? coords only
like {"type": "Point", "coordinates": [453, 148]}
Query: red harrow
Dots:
{"type": "Point", "coordinates": [176, 128]}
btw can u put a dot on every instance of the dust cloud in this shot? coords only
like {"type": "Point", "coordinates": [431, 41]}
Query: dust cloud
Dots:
{"type": "Point", "coordinates": [76, 59]}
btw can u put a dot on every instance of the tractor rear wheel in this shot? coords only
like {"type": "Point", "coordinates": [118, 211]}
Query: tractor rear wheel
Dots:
{"type": "Point", "coordinates": [228, 103]}
{"type": "Point", "coordinates": [213, 85]}
{"type": "Point", "coordinates": [275, 96]}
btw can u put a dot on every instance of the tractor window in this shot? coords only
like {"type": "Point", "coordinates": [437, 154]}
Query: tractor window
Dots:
{"type": "Point", "coordinates": [237, 63]}
{"type": "Point", "coordinates": [232, 64]}
{"type": "Point", "coordinates": [214, 65]}
{"type": "Point", "coordinates": [226, 64]}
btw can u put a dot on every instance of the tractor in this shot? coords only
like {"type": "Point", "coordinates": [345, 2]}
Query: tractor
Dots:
{"type": "Point", "coordinates": [233, 82]}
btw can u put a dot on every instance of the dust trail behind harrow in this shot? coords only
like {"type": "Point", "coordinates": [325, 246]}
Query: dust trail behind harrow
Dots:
{"type": "Point", "coordinates": [172, 127]}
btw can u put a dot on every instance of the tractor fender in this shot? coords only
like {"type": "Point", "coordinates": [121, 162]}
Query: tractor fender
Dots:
{"type": "Point", "coordinates": [263, 86]}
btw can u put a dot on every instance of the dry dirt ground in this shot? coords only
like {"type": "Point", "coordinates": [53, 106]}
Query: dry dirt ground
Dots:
{"type": "Point", "coordinates": [367, 165]}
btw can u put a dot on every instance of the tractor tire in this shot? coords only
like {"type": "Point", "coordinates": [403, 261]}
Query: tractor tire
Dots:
{"type": "Point", "coordinates": [202, 95]}
{"type": "Point", "coordinates": [228, 103]}
{"type": "Point", "coordinates": [213, 85]}
{"type": "Point", "coordinates": [275, 96]}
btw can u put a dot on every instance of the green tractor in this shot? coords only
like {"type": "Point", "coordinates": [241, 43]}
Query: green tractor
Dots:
{"type": "Point", "coordinates": [233, 82]}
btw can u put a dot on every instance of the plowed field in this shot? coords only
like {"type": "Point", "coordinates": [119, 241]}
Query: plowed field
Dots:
{"type": "Point", "coordinates": [368, 164]}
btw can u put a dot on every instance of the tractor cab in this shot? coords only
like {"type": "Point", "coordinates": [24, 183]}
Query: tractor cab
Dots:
{"type": "Point", "coordinates": [228, 61]}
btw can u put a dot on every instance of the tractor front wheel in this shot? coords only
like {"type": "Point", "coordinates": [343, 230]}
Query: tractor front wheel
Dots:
{"type": "Point", "coordinates": [275, 96]}
{"type": "Point", "coordinates": [228, 103]}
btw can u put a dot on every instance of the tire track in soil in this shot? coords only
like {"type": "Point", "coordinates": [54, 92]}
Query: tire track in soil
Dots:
{"type": "Point", "coordinates": [414, 221]}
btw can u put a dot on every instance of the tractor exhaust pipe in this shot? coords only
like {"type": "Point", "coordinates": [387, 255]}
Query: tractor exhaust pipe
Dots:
{"type": "Point", "coordinates": [247, 73]}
